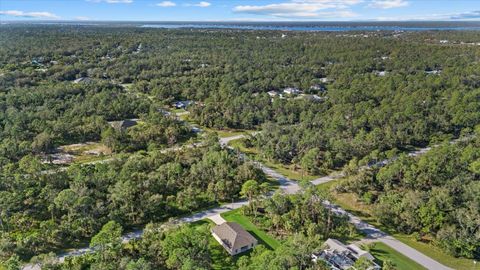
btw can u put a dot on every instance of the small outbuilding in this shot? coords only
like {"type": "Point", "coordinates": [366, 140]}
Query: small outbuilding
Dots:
{"type": "Point", "coordinates": [233, 237]}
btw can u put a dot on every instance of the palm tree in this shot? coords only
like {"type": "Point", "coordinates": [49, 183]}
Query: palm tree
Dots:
{"type": "Point", "coordinates": [250, 190]}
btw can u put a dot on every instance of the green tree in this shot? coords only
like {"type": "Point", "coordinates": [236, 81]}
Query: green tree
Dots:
{"type": "Point", "coordinates": [187, 246]}
{"type": "Point", "coordinates": [13, 263]}
{"type": "Point", "coordinates": [250, 190]}
{"type": "Point", "coordinates": [388, 265]}
{"type": "Point", "coordinates": [43, 142]}
{"type": "Point", "coordinates": [108, 240]}
{"type": "Point", "coordinates": [309, 161]}
{"type": "Point", "coordinates": [362, 263]}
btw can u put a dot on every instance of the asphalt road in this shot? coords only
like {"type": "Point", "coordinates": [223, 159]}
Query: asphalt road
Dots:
{"type": "Point", "coordinates": [289, 187]}
{"type": "Point", "coordinates": [375, 234]}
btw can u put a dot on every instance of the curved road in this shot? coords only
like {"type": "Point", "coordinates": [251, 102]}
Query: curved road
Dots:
{"type": "Point", "coordinates": [291, 187]}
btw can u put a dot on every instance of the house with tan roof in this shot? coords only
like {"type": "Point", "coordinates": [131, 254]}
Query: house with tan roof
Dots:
{"type": "Point", "coordinates": [233, 237]}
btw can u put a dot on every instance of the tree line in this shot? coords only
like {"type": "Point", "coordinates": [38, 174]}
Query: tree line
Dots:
{"type": "Point", "coordinates": [435, 197]}
{"type": "Point", "coordinates": [42, 212]}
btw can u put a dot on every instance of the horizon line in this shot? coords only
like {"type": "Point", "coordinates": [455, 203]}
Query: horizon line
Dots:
{"type": "Point", "coordinates": [243, 21]}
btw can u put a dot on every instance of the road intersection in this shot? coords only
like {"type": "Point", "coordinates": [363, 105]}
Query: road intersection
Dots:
{"type": "Point", "coordinates": [287, 186]}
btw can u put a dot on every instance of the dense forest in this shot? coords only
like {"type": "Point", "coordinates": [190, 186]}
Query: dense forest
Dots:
{"type": "Point", "coordinates": [166, 246]}
{"type": "Point", "coordinates": [435, 196]}
{"type": "Point", "coordinates": [360, 96]}
{"type": "Point", "coordinates": [378, 91]}
{"type": "Point", "coordinates": [42, 211]}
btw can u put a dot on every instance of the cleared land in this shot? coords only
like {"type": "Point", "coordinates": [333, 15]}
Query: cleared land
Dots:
{"type": "Point", "coordinates": [86, 152]}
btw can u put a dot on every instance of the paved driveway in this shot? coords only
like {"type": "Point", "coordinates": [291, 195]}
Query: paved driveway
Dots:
{"type": "Point", "coordinates": [291, 187]}
{"type": "Point", "coordinates": [218, 219]}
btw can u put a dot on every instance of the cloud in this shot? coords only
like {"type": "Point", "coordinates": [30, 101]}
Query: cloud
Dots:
{"type": "Point", "coordinates": [302, 9]}
{"type": "Point", "coordinates": [112, 1]}
{"type": "Point", "coordinates": [386, 4]}
{"type": "Point", "coordinates": [471, 15]}
{"type": "Point", "coordinates": [202, 4]}
{"type": "Point", "coordinates": [166, 4]}
{"type": "Point", "coordinates": [35, 14]}
{"type": "Point", "coordinates": [466, 15]}
{"type": "Point", "coordinates": [82, 18]}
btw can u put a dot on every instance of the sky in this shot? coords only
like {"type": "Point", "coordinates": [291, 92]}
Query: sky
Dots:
{"type": "Point", "coordinates": [239, 10]}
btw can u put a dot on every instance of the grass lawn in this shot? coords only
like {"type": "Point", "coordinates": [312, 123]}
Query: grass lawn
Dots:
{"type": "Point", "coordinates": [223, 133]}
{"type": "Point", "coordinates": [351, 203]}
{"type": "Point", "coordinates": [228, 133]}
{"type": "Point", "coordinates": [263, 238]}
{"type": "Point", "coordinates": [240, 146]}
{"type": "Point", "coordinates": [289, 171]}
{"type": "Point", "coordinates": [178, 110]}
{"type": "Point", "coordinates": [383, 253]}
{"type": "Point", "coordinates": [327, 187]}
{"type": "Point", "coordinates": [437, 254]}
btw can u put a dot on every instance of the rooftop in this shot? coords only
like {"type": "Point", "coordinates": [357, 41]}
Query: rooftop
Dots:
{"type": "Point", "coordinates": [233, 235]}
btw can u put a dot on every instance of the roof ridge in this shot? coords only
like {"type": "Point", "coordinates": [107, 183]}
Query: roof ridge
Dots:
{"type": "Point", "coordinates": [235, 234]}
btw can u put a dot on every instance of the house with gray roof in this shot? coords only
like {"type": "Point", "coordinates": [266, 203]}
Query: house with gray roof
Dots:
{"type": "Point", "coordinates": [339, 256]}
{"type": "Point", "coordinates": [233, 237]}
{"type": "Point", "coordinates": [123, 124]}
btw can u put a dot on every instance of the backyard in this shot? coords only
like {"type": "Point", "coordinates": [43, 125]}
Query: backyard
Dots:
{"type": "Point", "coordinates": [263, 237]}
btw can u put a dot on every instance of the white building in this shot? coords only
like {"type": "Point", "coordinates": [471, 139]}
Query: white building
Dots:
{"type": "Point", "coordinates": [380, 73]}
{"type": "Point", "coordinates": [433, 72]}
{"type": "Point", "coordinates": [291, 91]}
{"type": "Point", "coordinates": [325, 80]}
{"type": "Point", "coordinates": [272, 93]}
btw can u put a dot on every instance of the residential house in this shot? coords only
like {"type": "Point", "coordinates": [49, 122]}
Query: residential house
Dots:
{"type": "Point", "coordinates": [233, 237]}
{"type": "Point", "coordinates": [433, 72]}
{"type": "Point", "coordinates": [325, 80]}
{"type": "Point", "coordinates": [196, 130]}
{"type": "Point", "coordinates": [291, 91]}
{"type": "Point", "coordinates": [380, 73]}
{"type": "Point", "coordinates": [164, 112]}
{"type": "Point", "coordinates": [124, 124]}
{"type": "Point", "coordinates": [83, 80]}
{"type": "Point", "coordinates": [272, 93]}
{"type": "Point", "coordinates": [318, 87]}
{"type": "Point", "coordinates": [183, 104]}
{"type": "Point", "coordinates": [341, 257]}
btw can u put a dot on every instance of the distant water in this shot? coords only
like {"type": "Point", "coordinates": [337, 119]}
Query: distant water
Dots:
{"type": "Point", "coordinates": [285, 26]}
{"type": "Point", "coordinates": [324, 26]}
